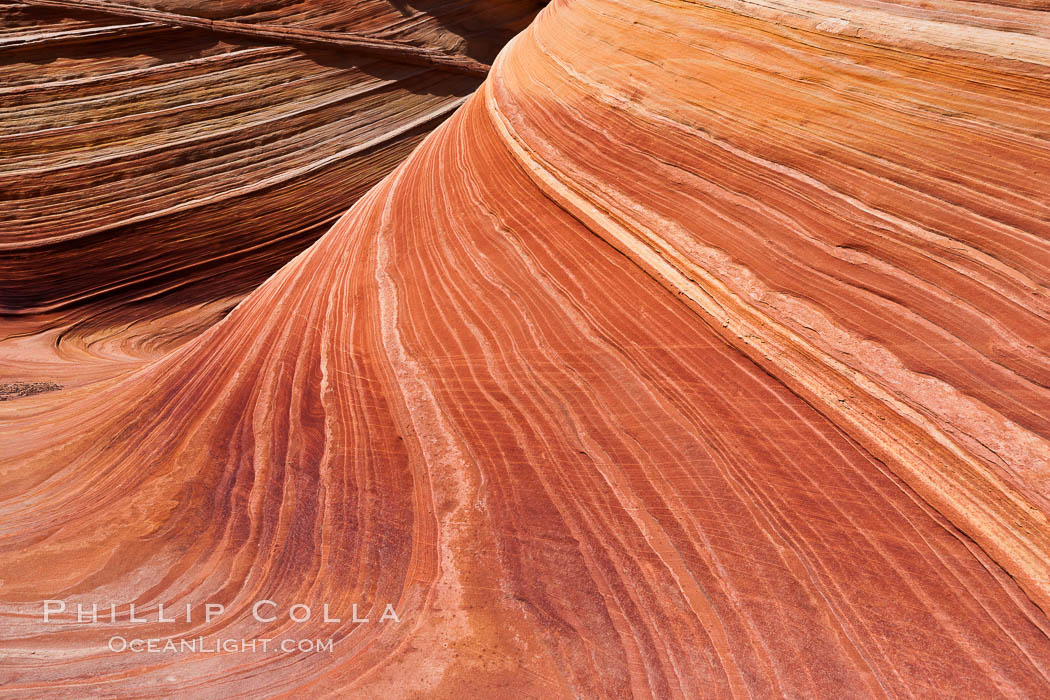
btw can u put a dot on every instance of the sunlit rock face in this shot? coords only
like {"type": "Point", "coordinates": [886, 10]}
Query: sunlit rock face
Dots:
{"type": "Point", "coordinates": [702, 353]}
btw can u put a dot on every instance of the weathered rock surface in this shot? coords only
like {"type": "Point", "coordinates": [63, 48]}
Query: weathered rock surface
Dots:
{"type": "Point", "coordinates": [703, 352]}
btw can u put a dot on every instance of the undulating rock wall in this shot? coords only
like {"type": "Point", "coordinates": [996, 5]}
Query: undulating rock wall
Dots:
{"type": "Point", "coordinates": [702, 353]}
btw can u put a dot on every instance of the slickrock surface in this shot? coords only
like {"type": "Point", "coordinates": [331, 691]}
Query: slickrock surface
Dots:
{"type": "Point", "coordinates": [702, 353]}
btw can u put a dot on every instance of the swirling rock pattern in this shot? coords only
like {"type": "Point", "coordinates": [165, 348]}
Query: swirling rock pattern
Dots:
{"type": "Point", "coordinates": [701, 353]}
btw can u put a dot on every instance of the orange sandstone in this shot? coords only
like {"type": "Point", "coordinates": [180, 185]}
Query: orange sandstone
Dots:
{"type": "Point", "coordinates": [701, 353]}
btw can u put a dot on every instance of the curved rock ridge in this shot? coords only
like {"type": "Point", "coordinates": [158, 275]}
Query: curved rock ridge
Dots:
{"type": "Point", "coordinates": [701, 353]}
{"type": "Point", "coordinates": [138, 158]}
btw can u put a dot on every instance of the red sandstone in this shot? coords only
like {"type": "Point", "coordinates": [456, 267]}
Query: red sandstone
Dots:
{"type": "Point", "coordinates": [703, 352]}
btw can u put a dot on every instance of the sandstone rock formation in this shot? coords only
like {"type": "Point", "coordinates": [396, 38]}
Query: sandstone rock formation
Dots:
{"type": "Point", "coordinates": [703, 352]}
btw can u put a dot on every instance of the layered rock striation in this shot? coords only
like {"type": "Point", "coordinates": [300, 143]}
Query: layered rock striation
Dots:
{"type": "Point", "coordinates": [703, 352]}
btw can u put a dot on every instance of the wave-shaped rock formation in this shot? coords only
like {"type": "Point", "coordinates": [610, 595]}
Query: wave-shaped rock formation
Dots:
{"type": "Point", "coordinates": [702, 353]}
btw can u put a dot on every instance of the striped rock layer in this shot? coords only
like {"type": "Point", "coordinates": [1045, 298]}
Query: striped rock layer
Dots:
{"type": "Point", "coordinates": [702, 353]}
